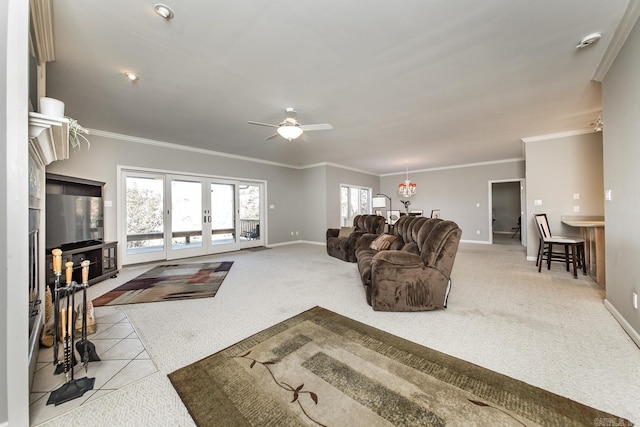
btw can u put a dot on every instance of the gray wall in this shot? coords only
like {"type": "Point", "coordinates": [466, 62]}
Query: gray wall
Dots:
{"type": "Point", "coordinates": [101, 160]}
{"type": "Point", "coordinates": [321, 197]}
{"type": "Point", "coordinates": [314, 206]}
{"type": "Point", "coordinates": [456, 192]}
{"type": "Point", "coordinates": [556, 169]}
{"type": "Point", "coordinates": [505, 203]}
{"type": "Point", "coordinates": [336, 176]}
{"type": "Point", "coordinates": [621, 117]}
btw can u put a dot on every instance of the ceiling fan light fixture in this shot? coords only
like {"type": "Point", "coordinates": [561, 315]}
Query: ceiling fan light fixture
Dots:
{"type": "Point", "coordinates": [289, 132]}
{"type": "Point", "coordinates": [164, 11]}
{"type": "Point", "coordinates": [132, 76]}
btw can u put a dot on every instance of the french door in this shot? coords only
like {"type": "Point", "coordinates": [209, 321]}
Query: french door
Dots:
{"type": "Point", "coordinates": [169, 216]}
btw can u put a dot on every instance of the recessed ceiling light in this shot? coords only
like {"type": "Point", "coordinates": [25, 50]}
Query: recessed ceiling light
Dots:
{"type": "Point", "coordinates": [132, 76]}
{"type": "Point", "coordinates": [164, 11]}
{"type": "Point", "coordinates": [590, 39]}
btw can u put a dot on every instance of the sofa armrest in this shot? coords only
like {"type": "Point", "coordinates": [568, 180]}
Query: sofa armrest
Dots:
{"type": "Point", "coordinates": [332, 232]}
{"type": "Point", "coordinates": [401, 282]}
{"type": "Point", "coordinates": [391, 258]}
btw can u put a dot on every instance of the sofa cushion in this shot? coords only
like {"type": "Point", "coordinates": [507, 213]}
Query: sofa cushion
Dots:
{"type": "Point", "coordinates": [383, 242]}
{"type": "Point", "coordinates": [345, 231]}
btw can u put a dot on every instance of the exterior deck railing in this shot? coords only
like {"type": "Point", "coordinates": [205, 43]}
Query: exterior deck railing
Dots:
{"type": "Point", "coordinates": [247, 228]}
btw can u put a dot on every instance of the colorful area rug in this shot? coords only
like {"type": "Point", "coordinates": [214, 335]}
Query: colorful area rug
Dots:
{"type": "Point", "coordinates": [320, 368]}
{"type": "Point", "coordinates": [168, 283]}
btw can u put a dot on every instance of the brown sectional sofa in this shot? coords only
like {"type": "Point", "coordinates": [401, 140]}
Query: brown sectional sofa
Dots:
{"type": "Point", "coordinates": [344, 247]}
{"type": "Point", "coordinates": [414, 273]}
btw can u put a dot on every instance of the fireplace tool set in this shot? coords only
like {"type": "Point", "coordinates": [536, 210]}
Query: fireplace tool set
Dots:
{"type": "Point", "coordinates": [63, 322]}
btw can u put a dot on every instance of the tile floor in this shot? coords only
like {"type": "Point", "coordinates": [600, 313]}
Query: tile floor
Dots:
{"type": "Point", "coordinates": [124, 360]}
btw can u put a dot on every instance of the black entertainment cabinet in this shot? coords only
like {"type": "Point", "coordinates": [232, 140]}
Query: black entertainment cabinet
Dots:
{"type": "Point", "coordinates": [75, 225]}
{"type": "Point", "coordinates": [103, 258]}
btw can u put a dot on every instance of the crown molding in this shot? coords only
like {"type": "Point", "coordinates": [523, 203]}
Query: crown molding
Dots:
{"type": "Point", "coordinates": [174, 146]}
{"type": "Point", "coordinates": [467, 165]}
{"type": "Point", "coordinates": [557, 135]}
{"type": "Point", "coordinates": [620, 35]}
{"type": "Point", "coordinates": [335, 165]}
{"type": "Point", "coordinates": [41, 20]}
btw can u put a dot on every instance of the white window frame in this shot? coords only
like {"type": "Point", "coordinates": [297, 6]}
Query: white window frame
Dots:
{"type": "Point", "coordinates": [347, 220]}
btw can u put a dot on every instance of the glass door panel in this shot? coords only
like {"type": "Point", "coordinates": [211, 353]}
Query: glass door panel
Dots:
{"type": "Point", "coordinates": [223, 216]}
{"type": "Point", "coordinates": [144, 218]}
{"type": "Point", "coordinates": [250, 208]}
{"type": "Point", "coordinates": [186, 218]}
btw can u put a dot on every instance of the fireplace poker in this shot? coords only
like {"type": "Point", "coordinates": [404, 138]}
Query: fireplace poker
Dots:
{"type": "Point", "coordinates": [66, 313]}
{"type": "Point", "coordinates": [86, 348]}
{"type": "Point", "coordinates": [72, 388]}
{"type": "Point", "coordinates": [57, 271]}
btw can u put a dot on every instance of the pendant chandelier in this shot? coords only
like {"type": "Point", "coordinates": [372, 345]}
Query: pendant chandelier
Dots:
{"type": "Point", "coordinates": [407, 188]}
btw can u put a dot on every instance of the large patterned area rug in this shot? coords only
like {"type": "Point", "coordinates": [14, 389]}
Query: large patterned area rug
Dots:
{"type": "Point", "coordinates": [169, 282]}
{"type": "Point", "coordinates": [320, 368]}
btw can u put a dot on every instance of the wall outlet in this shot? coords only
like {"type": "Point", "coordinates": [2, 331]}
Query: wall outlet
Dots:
{"type": "Point", "coordinates": [576, 208]}
{"type": "Point", "coordinates": [607, 195]}
{"type": "Point", "coordinates": [477, 205]}
{"type": "Point", "coordinates": [292, 233]}
{"type": "Point", "coordinates": [296, 233]}
{"type": "Point", "coordinates": [635, 300]}
{"type": "Point", "coordinates": [108, 203]}
{"type": "Point", "coordinates": [272, 206]}
{"type": "Point", "coordinates": [576, 196]}
{"type": "Point", "coordinates": [537, 202]}
{"type": "Point", "coordinates": [477, 231]}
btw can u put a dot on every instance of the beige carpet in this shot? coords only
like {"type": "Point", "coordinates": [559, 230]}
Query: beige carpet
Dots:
{"type": "Point", "coordinates": [545, 329]}
{"type": "Point", "coordinates": [324, 369]}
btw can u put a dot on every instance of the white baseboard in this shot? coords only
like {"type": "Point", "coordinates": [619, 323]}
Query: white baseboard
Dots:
{"type": "Point", "coordinates": [310, 242]}
{"type": "Point", "coordinates": [5, 424]}
{"type": "Point", "coordinates": [294, 242]}
{"type": "Point", "coordinates": [635, 336]}
{"type": "Point", "coordinates": [478, 242]}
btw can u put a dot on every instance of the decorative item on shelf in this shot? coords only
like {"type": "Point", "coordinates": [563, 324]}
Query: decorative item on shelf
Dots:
{"type": "Point", "coordinates": [51, 107]}
{"type": "Point", "coordinates": [597, 124]}
{"type": "Point", "coordinates": [76, 134]}
{"type": "Point", "coordinates": [406, 204]}
{"type": "Point", "coordinates": [407, 188]}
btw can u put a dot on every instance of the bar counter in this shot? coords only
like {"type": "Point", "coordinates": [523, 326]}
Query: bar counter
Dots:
{"type": "Point", "coordinates": [592, 228]}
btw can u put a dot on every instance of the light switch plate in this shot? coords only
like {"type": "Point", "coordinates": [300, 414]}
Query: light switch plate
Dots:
{"type": "Point", "coordinates": [607, 195]}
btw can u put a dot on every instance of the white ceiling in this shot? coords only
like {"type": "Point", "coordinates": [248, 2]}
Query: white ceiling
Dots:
{"type": "Point", "coordinates": [414, 83]}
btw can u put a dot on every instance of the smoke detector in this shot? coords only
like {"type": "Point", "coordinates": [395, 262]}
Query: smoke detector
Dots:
{"type": "Point", "coordinates": [588, 40]}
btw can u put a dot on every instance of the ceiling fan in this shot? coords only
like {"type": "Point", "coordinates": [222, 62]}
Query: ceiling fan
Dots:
{"type": "Point", "coordinates": [290, 128]}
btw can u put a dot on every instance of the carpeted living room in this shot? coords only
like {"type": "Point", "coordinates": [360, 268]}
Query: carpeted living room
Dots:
{"type": "Point", "coordinates": [320, 213]}
{"type": "Point", "coordinates": [547, 330]}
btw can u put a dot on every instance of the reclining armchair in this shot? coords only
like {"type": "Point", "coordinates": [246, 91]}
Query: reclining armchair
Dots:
{"type": "Point", "coordinates": [415, 277]}
{"type": "Point", "coordinates": [343, 247]}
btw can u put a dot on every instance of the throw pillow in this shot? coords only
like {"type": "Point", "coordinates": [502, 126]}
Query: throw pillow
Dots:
{"type": "Point", "coordinates": [345, 232]}
{"type": "Point", "coordinates": [382, 242]}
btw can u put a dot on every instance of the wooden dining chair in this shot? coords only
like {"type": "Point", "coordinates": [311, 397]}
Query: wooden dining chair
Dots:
{"type": "Point", "coordinates": [573, 248]}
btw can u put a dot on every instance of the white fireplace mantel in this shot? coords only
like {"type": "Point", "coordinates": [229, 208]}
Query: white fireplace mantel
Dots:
{"type": "Point", "coordinates": [49, 137]}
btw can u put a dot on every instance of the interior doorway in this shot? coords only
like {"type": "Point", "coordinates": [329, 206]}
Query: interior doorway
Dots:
{"type": "Point", "coordinates": [506, 203]}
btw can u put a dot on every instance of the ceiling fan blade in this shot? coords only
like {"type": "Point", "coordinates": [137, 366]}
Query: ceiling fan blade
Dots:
{"type": "Point", "coordinates": [275, 135]}
{"type": "Point", "coordinates": [263, 124]}
{"type": "Point", "coordinates": [321, 126]}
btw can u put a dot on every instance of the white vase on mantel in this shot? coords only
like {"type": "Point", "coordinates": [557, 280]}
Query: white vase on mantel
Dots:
{"type": "Point", "coordinates": [51, 107]}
